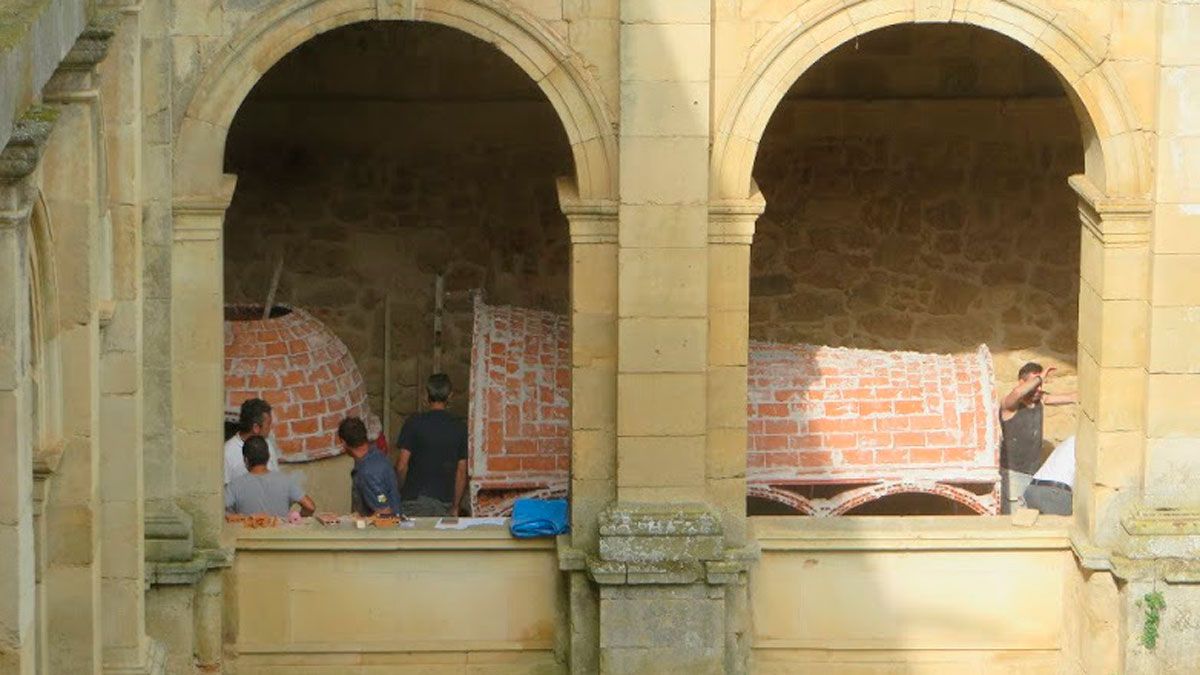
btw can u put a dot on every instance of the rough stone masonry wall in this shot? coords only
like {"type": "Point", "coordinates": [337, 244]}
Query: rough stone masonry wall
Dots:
{"type": "Point", "coordinates": [917, 199]}
{"type": "Point", "coordinates": [372, 158]}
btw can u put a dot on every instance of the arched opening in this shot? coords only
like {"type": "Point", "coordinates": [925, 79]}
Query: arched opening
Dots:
{"type": "Point", "coordinates": [400, 171]}
{"type": "Point", "coordinates": [917, 207]}
{"type": "Point", "coordinates": [44, 369]}
{"type": "Point", "coordinates": [913, 504]}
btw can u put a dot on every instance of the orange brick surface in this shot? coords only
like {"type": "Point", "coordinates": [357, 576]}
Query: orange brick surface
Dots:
{"type": "Point", "coordinates": [304, 371]}
{"type": "Point", "coordinates": [876, 423]}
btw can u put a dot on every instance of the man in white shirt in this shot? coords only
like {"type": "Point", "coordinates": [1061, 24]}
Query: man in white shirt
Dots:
{"type": "Point", "coordinates": [1050, 490]}
{"type": "Point", "coordinates": [254, 419]}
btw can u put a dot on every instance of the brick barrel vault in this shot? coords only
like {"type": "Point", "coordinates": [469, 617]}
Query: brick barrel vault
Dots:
{"type": "Point", "coordinates": [830, 429]}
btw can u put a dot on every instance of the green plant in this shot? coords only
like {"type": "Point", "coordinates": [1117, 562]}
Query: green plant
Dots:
{"type": "Point", "coordinates": [1154, 604]}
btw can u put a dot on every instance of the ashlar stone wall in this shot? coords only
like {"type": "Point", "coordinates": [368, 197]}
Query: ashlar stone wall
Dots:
{"type": "Point", "coordinates": [377, 156]}
{"type": "Point", "coordinates": [917, 198]}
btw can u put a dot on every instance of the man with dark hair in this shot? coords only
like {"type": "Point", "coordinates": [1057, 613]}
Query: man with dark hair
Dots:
{"type": "Point", "coordinates": [1021, 414]}
{"type": "Point", "coordinates": [254, 419]}
{"type": "Point", "coordinates": [260, 490]}
{"type": "Point", "coordinates": [431, 467]}
{"type": "Point", "coordinates": [374, 491]}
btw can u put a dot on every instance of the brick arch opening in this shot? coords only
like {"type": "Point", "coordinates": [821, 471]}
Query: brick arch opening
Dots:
{"type": "Point", "coordinates": [917, 202]}
{"type": "Point", "coordinates": [371, 186]}
{"type": "Point", "coordinates": [795, 504]}
{"type": "Point", "coordinates": [953, 495]}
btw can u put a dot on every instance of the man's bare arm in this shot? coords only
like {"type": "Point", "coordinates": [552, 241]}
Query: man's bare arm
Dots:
{"type": "Point", "coordinates": [460, 486]}
{"type": "Point", "coordinates": [1013, 400]}
{"type": "Point", "coordinates": [307, 507]}
{"type": "Point", "coordinates": [402, 467]}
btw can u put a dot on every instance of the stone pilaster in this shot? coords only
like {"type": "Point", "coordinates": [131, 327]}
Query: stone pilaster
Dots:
{"type": "Point", "coordinates": [1113, 317]}
{"type": "Point", "coordinates": [663, 258]}
{"type": "Point", "coordinates": [121, 404]}
{"type": "Point", "coordinates": [666, 579]}
{"type": "Point", "coordinates": [184, 546]}
{"type": "Point", "coordinates": [730, 232]}
{"type": "Point", "coordinates": [593, 226]}
{"type": "Point", "coordinates": [73, 182]}
{"type": "Point", "coordinates": [1160, 550]}
{"type": "Point", "coordinates": [18, 626]}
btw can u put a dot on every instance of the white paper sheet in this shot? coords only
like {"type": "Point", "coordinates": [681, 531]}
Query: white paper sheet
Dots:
{"type": "Point", "coordinates": [464, 523]}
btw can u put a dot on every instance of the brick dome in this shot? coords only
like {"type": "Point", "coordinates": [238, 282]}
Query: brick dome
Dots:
{"type": "Point", "coordinates": [298, 366]}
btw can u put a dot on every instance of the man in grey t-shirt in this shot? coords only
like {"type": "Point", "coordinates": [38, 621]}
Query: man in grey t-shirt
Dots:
{"type": "Point", "coordinates": [261, 490]}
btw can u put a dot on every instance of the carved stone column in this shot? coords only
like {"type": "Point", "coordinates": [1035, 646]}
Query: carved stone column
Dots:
{"type": "Point", "coordinates": [1113, 325]}
{"type": "Point", "coordinates": [593, 403]}
{"type": "Point", "coordinates": [184, 547]}
{"type": "Point", "coordinates": [121, 404]}
{"type": "Point", "coordinates": [18, 160]}
{"type": "Point", "coordinates": [73, 182]}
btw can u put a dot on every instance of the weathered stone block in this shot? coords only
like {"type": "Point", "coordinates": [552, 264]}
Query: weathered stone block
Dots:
{"type": "Point", "coordinates": [661, 549]}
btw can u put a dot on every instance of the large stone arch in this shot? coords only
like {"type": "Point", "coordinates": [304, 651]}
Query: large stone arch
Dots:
{"type": "Point", "coordinates": [229, 76]}
{"type": "Point", "coordinates": [1116, 157]}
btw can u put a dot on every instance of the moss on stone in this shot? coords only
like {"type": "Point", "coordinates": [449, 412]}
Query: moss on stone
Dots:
{"type": "Point", "coordinates": [16, 17]}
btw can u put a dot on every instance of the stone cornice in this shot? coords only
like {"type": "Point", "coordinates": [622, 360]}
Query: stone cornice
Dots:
{"type": "Point", "coordinates": [92, 45]}
{"type": "Point", "coordinates": [202, 217]}
{"type": "Point", "coordinates": [592, 221]}
{"type": "Point", "coordinates": [20, 157]}
{"type": "Point", "coordinates": [731, 221]}
{"type": "Point", "coordinates": [1115, 222]}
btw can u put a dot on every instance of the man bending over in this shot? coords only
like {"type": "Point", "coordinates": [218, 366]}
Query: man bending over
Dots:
{"type": "Point", "coordinates": [373, 481]}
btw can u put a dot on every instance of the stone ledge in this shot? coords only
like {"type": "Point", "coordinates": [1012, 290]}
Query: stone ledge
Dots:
{"type": "Point", "coordinates": [312, 536]}
{"type": "Point", "coordinates": [908, 533]}
{"type": "Point", "coordinates": [190, 572]}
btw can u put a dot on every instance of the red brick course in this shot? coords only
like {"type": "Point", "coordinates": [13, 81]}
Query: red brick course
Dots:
{"type": "Point", "coordinates": [520, 412]}
{"type": "Point", "coordinates": [303, 370]}
{"type": "Point", "coordinates": [857, 424]}
{"type": "Point", "coordinates": [833, 415]}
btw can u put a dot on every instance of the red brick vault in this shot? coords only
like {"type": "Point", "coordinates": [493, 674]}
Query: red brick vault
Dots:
{"type": "Point", "coordinates": [301, 368]}
{"type": "Point", "coordinates": [830, 429]}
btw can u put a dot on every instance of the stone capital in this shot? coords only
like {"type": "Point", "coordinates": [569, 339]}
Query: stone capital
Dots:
{"type": "Point", "coordinates": [202, 217]}
{"type": "Point", "coordinates": [592, 221]}
{"type": "Point", "coordinates": [732, 221]}
{"type": "Point", "coordinates": [663, 544]}
{"type": "Point", "coordinates": [1117, 223]}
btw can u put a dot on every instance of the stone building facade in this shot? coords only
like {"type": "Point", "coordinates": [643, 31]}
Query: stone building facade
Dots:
{"type": "Point", "coordinates": [678, 176]}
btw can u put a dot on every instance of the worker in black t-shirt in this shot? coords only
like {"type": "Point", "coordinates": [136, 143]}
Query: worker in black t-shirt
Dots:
{"type": "Point", "coordinates": [431, 466]}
